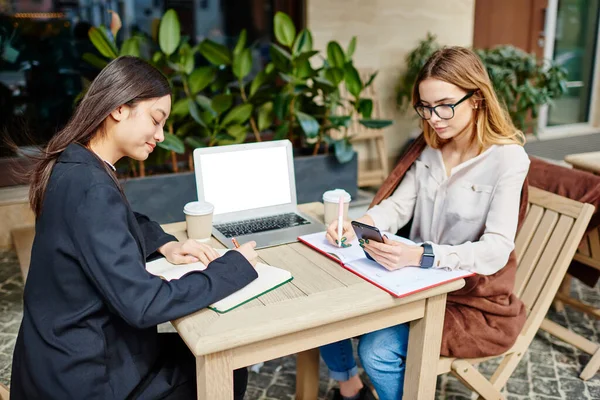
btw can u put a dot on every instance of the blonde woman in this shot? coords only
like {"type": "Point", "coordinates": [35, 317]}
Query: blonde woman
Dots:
{"type": "Point", "coordinates": [462, 190]}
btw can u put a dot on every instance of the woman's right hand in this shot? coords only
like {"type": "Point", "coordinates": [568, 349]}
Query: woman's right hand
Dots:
{"type": "Point", "coordinates": [347, 233]}
{"type": "Point", "coordinates": [247, 250]}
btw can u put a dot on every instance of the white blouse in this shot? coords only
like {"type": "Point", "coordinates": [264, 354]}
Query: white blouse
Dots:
{"type": "Point", "coordinates": [469, 217]}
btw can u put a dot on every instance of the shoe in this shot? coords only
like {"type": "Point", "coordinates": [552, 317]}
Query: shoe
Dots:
{"type": "Point", "coordinates": [365, 394]}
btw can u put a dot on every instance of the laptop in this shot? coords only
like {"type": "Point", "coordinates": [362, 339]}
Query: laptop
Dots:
{"type": "Point", "coordinates": [253, 190]}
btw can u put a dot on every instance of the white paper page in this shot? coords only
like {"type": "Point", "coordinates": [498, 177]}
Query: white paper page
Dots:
{"type": "Point", "coordinates": [345, 255]}
{"type": "Point", "coordinates": [406, 280]}
{"type": "Point", "coordinates": [163, 268]}
{"type": "Point", "coordinates": [168, 271]}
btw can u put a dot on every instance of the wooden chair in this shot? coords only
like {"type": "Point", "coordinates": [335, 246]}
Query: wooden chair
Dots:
{"type": "Point", "coordinates": [588, 253]}
{"type": "Point", "coordinates": [23, 242]}
{"type": "Point", "coordinates": [545, 246]}
{"type": "Point", "coordinates": [371, 172]}
{"type": "Point", "coordinates": [4, 393]}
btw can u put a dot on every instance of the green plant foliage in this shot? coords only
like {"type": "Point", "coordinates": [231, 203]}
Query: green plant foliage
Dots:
{"type": "Point", "coordinates": [222, 101]}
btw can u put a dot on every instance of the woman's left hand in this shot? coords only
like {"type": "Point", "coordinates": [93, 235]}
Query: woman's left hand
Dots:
{"type": "Point", "coordinates": [393, 255]}
{"type": "Point", "coordinates": [188, 252]}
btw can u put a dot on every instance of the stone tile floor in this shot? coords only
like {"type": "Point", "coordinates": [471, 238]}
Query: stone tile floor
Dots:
{"type": "Point", "coordinates": [549, 370]}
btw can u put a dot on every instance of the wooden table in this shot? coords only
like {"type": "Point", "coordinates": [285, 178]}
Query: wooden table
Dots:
{"type": "Point", "coordinates": [323, 304]}
{"type": "Point", "coordinates": [585, 161]}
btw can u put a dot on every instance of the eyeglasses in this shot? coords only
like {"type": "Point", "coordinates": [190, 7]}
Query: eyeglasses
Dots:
{"type": "Point", "coordinates": [444, 111]}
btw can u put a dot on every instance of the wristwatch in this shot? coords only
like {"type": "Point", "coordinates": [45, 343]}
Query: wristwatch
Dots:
{"type": "Point", "coordinates": [428, 256]}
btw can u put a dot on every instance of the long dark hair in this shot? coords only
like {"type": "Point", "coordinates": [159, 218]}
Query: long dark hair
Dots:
{"type": "Point", "coordinates": [125, 80]}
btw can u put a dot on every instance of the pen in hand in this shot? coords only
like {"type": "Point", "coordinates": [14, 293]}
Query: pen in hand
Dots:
{"type": "Point", "coordinates": [340, 220]}
{"type": "Point", "coordinates": [235, 243]}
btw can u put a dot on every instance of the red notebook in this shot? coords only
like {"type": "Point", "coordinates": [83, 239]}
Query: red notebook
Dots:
{"type": "Point", "coordinates": [398, 283]}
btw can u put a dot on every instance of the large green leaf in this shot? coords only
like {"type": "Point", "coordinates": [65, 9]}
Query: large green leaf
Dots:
{"type": "Point", "coordinates": [195, 142]}
{"type": "Point", "coordinates": [242, 64]}
{"type": "Point", "coordinates": [109, 37]}
{"type": "Point", "coordinates": [376, 123]}
{"type": "Point", "coordinates": [180, 108]}
{"type": "Point", "coordinates": [285, 31]}
{"type": "Point", "coordinates": [371, 79]}
{"type": "Point", "coordinates": [204, 102]}
{"type": "Point", "coordinates": [130, 47]}
{"type": "Point", "coordinates": [339, 121]}
{"type": "Point", "coordinates": [238, 132]}
{"type": "Point", "coordinates": [308, 123]}
{"type": "Point", "coordinates": [334, 75]}
{"type": "Point", "coordinates": [305, 55]}
{"type": "Point", "coordinates": [280, 57]}
{"type": "Point", "coordinates": [240, 43]}
{"type": "Point", "coordinates": [335, 55]}
{"type": "Point", "coordinates": [238, 115]}
{"type": "Point", "coordinates": [169, 32]}
{"type": "Point", "coordinates": [94, 60]}
{"type": "Point", "coordinates": [303, 42]}
{"type": "Point", "coordinates": [215, 53]}
{"type": "Point", "coordinates": [305, 70]}
{"type": "Point", "coordinates": [221, 103]}
{"type": "Point", "coordinates": [343, 150]}
{"type": "Point", "coordinates": [195, 113]}
{"type": "Point", "coordinates": [265, 116]}
{"type": "Point", "coordinates": [281, 105]}
{"type": "Point", "coordinates": [101, 42]}
{"type": "Point", "coordinates": [172, 143]}
{"type": "Point", "coordinates": [282, 131]}
{"type": "Point", "coordinates": [257, 82]}
{"type": "Point", "coordinates": [201, 78]}
{"type": "Point", "coordinates": [351, 48]}
{"type": "Point", "coordinates": [352, 80]}
{"type": "Point", "coordinates": [186, 58]}
{"type": "Point", "coordinates": [365, 108]}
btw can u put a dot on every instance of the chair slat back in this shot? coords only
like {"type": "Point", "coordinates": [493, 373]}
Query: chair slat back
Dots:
{"type": "Point", "coordinates": [545, 246]}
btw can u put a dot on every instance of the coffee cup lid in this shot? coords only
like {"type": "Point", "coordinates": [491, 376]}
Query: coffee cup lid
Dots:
{"type": "Point", "coordinates": [333, 196]}
{"type": "Point", "coordinates": [198, 208]}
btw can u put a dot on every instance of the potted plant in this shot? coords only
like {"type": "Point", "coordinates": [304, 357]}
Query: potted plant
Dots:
{"type": "Point", "coordinates": [296, 96]}
{"type": "Point", "coordinates": [521, 82]}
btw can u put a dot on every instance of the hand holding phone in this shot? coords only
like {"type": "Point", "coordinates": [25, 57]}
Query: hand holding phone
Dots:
{"type": "Point", "coordinates": [367, 232]}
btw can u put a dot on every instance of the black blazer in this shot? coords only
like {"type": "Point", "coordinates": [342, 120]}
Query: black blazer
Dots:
{"type": "Point", "coordinates": [90, 308]}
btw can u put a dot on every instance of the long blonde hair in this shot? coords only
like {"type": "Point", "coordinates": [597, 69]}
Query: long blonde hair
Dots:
{"type": "Point", "coordinates": [463, 68]}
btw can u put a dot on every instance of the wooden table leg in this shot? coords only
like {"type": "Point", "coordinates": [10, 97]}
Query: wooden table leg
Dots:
{"type": "Point", "coordinates": [214, 376]}
{"type": "Point", "coordinates": [424, 342]}
{"type": "Point", "coordinates": [307, 375]}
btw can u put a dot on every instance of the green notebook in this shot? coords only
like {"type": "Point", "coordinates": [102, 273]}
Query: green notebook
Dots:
{"type": "Point", "coordinates": [269, 278]}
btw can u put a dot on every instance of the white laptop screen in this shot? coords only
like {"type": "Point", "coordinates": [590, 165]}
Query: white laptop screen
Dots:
{"type": "Point", "coordinates": [244, 180]}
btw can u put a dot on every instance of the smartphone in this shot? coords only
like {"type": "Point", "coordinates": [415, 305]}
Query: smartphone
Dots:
{"type": "Point", "coordinates": [364, 231]}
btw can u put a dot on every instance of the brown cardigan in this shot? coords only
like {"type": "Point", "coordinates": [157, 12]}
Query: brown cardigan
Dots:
{"type": "Point", "coordinates": [483, 318]}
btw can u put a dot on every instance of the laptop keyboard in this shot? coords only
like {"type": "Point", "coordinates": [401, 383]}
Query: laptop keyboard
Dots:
{"type": "Point", "coordinates": [264, 224]}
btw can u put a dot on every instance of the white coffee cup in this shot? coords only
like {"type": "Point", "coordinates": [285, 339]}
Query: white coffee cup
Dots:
{"type": "Point", "coordinates": [331, 200]}
{"type": "Point", "coordinates": [198, 217]}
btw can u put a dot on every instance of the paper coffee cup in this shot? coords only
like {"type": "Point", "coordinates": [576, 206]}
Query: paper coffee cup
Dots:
{"type": "Point", "coordinates": [331, 200]}
{"type": "Point", "coordinates": [198, 218]}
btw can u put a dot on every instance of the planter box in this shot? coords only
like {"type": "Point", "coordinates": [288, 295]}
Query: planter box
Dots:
{"type": "Point", "coordinates": [318, 174]}
{"type": "Point", "coordinates": [162, 197]}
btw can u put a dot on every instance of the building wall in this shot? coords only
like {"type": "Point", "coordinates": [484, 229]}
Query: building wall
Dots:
{"type": "Point", "coordinates": [386, 31]}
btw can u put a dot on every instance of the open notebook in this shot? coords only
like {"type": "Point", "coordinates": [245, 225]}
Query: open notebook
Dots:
{"type": "Point", "coordinates": [269, 278]}
{"type": "Point", "coordinates": [398, 283]}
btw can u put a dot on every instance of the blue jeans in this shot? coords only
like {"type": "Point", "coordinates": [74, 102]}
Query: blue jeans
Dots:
{"type": "Point", "coordinates": [382, 354]}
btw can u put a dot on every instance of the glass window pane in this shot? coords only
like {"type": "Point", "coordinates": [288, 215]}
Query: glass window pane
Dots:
{"type": "Point", "coordinates": [575, 50]}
